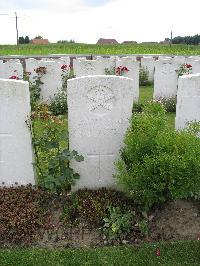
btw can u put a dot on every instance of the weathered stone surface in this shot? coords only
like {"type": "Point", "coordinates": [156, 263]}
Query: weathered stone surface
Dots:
{"type": "Point", "coordinates": [148, 63]}
{"type": "Point", "coordinates": [10, 69]}
{"type": "Point", "coordinates": [16, 160]}
{"type": "Point", "coordinates": [133, 73]}
{"type": "Point", "coordinates": [52, 80]}
{"type": "Point", "coordinates": [188, 100]}
{"type": "Point", "coordinates": [89, 67]}
{"type": "Point", "coordinates": [31, 65]}
{"type": "Point", "coordinates": [165, 79]}
{"type": "Point", "coordinates": [180, 59]}
{"type": "Point", "coordinates": [99, 109]}
{"type": "Point", "coordinates": [196, 67]}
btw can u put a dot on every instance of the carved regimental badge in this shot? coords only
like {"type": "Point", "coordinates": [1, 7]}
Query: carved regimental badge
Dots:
{"type": "Point", "coordinates": [101, 99]}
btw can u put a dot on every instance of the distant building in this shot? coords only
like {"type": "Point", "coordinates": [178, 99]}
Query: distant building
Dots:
{"type": "Point", "coordinates": [149, 43]}
{"type": "Point", "coordinates": [39, 41]}
{"type": "Point", "coordinates": [166, 41]}
{"type": "Point", "coordinates": [129, 42]}
{"type": "Point", "coordinates": [107, 41]}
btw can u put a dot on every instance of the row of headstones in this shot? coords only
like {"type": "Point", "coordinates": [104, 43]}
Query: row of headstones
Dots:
{"type": "Point", "coordinates": [99, 110]}
{"type": "Point", "coordinates": [51, 82]}
{"type": "Point", "coordinates": [163, 71]}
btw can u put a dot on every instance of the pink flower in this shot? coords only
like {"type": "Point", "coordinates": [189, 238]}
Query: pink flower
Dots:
{"type": "Point", "coordinates": [158, 252]}
{"type": "Point", "coordinates": [13, 77]}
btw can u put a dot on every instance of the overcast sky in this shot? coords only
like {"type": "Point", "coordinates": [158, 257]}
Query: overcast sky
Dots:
{"type": "Point", "coordinates": [86, 21]}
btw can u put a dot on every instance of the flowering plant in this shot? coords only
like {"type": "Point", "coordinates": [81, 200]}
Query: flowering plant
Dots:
{"type": "Point", "coordinates": [185, 69]}
{"type": "Point", "coordinates": [119, 71]}
{"type": "Point", "coordinates": [14, 77]}
{"type": "Point", "coordinates": [41, 70]}
{"type": "Point", "coordinates": [65, 67]}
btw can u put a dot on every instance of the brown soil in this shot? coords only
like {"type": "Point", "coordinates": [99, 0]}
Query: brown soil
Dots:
{"type": "Point", "coordinates": [178, 220]}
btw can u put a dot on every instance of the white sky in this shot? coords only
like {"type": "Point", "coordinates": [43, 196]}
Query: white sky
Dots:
{"type": "Point", "coordinates": [87, 20]}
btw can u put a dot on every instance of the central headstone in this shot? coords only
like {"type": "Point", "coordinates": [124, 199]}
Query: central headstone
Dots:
{"type": "Point", "coordinates": [165, 79]}
{"type": "Point", "coordinates": [99, 109]}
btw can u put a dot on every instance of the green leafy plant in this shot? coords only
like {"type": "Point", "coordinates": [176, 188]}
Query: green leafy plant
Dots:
{"type": "Point", "coordinates": [144, 227]}
{"type": "Point", "coordinates": [67, 73]}
{"type": "Point", "coordinates": [110, 71]}
{"type": "Point", "coordinates": [117, 224]}
{"type": "Point", "coordinates": [144, 77]}
{"type": "Point", "coordinates": [158, 163]}
{"type": "Point", "coordinates": [91, 206]}
{"type": "Point", "coordinates": [51, 151]}
{"type": "Point", "coordinates": [169, 104]}
{"type": "Point", "coordinates": [58, 106]}
{"type": "Point", "coordinates": [35, 86]}
{"type": "Point", "coordinates": [185, 69]}
{"type": "Point", "coordinates": [137, 107]}
{"type": "Point", "coordinates": [118, 71]}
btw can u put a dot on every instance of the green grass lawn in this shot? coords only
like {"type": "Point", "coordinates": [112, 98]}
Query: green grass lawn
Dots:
{"type": "Point", "coordinates": [146, 94]}
{"type": "Point", "coordinates": [75, 48]}
{"type": "Point", "coordinates": [171, 254]}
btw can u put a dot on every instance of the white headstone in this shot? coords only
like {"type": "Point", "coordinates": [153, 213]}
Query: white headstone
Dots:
{"type": "Point", "coordinates": [148, 63]}
{"type": "Point", "coordinates": [164, 57]}
{"type": "Point", "coordinates": [133, 73]}
{"type": "Point", "coordinates": [16, 159]}
{"type": "Point", "coordinates": [190, 60]}
{"type": "Point", "coordinates": [89, 67]}
{"type": "Point", "coordinates": [14, 60]}
{"type": "Point", "coordinates": [52, 80]}
{"type": "Point", "coordinates": [31, 65]}
{"type": "Point", "coordinates": [165, 79]}
{"type": "Point", "coordinates": [11, 69]}
{"type": "Point", "coordinates": [180, 59]}
{"type": "Point", "coordinates": [188, 100]}
{"type": "Point", "coordinates": [196, 67]}
{"type": "Point", "coordinates": [64, 60]}
{"type": "Point", "coordinates": [99, 109]}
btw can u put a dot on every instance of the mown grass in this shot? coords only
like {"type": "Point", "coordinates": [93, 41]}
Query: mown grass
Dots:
{"type": "Point", "coordinates": [75, 48]}
{"type": "Point", "coordinates": [177, 253]}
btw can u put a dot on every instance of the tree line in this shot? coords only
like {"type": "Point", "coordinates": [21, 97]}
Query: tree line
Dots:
{"type": "Point", "coordinates": [193, 40]}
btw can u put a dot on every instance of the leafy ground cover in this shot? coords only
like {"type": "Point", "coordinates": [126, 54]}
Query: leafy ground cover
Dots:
{"type": "Point", "coordinates": [177, 253]}
{"type": "Point", "coordinates": [30, 49]}
{"type": "Point", "coordinates": [146, 94]}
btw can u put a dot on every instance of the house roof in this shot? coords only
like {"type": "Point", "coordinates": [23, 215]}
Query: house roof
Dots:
{"type": "Point", "coordinates": [107, 41]}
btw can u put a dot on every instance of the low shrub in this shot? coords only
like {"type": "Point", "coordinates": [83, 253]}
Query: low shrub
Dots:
{"type": "Point", "coordinates": [169, 104]}
{"type": "Point", "coordinates": [158, 163]}
{"type": "Point", "coordinates": [144, 77]}
{"type": "Point", "coordinates": [58, 105]}
{"type": "Point", "coordinates": [117, 224]}
{"type": "Point", "coordinates": [52, 155]}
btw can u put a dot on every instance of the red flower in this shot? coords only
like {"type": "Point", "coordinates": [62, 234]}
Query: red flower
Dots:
{"type": "Point", "coordinates": [63, 67]}
{"type": "Point", "coordinates": [13, 77]}
{"type": "Point", "coordinates": [188, 65]}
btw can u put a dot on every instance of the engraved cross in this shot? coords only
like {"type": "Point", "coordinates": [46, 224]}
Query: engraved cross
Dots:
{"type": "Point", "coordinates": [100, 156]}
